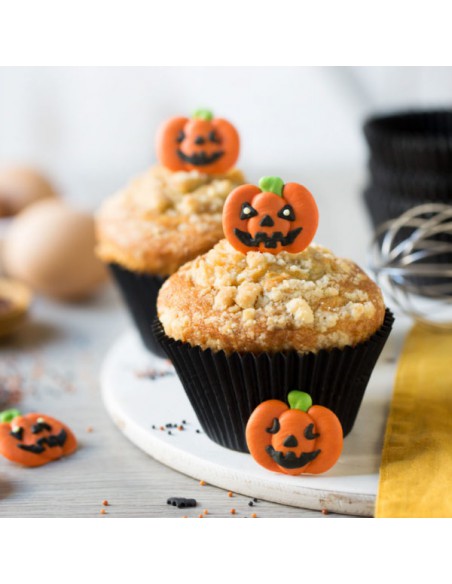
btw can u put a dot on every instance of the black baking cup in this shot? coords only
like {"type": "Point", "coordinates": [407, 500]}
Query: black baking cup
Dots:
{"type": "Point", "coordinates": [384, 205]}
{"type": "Point", "coordinates": [140, 292]}
{"type": "Point", "coordinates": [416, 185]}
{"type": "Point", "coordinates": [225, 389]}
{"type": "Point", "coordinates": [404, 141]}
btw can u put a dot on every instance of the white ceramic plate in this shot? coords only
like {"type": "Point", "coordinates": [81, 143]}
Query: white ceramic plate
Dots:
{"type": "Point", "coordinates": [140, 391]}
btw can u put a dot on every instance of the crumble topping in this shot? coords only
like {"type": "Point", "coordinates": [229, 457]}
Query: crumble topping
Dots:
{"type": "Point", "coordinates": [162, 219]}
{"type": "Point", "coordinates": [285, 291]}
{"type": "Point", "coordinates": [160, 192]}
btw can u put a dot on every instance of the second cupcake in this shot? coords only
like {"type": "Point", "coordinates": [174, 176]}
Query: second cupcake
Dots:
{"type": "Point", "coordinates": [171, 213]}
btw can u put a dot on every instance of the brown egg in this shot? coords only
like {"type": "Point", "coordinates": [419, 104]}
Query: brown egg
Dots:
{"type": "Point", "coordinates": [20, 187]}
{"type": "Point", "coordinates": [50, 246]}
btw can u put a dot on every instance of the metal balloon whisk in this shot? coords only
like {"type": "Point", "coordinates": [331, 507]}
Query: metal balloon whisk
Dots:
{"type": "Point", "coordinates": [411, 257]}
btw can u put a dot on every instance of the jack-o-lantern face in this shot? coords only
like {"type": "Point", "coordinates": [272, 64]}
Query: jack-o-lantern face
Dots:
{"type": "Point", "coordinates": [303, 439]}
{"type": "Point", "coordinates": [35, 439]}
{"type": "Point", "coordinates": [201, 143]}
{"type": "Point", "coordinates": [272, 218]}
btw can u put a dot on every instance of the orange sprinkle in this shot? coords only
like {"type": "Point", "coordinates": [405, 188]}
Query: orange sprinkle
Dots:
{"type": "Point", "coordinates": [201, 516]}
{"type": "Point", "coordinates": [105, 503]}
{"type": "Point", "coordinates": [325, 511]}
{"type": "Point", "coordinates": [184, 516]}
{"type": "Point", "coordinates": [162, 428]}
{"type": "Point", "coordinates": [180, 428]}
{"type": "Point", "coordinates": [230, 494]}
{"type": "Point", "coordinates": [253, 515]}
{"type": "Point", "coordinates": [89, 429]}
{"type": "Point", "coordinates": [232, 511]}
{"type": "Point", "coordinates": [206, 512]}
{"type": "Point", "coordinates": [202, 483]}
{"type": "Point", "coordinates": [103, 512]}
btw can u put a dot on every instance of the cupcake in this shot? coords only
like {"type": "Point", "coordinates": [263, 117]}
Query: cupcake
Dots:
{"type": "Point", "coordinates": [267, 311]}
{"type": "Point", "coordinates": [170, 214]}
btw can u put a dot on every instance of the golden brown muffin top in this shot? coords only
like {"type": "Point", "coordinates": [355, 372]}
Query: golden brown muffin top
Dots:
{"type": "Point", "coordinates": [162, 219]}
{"type": "Point", "coordinates": [262, 302]}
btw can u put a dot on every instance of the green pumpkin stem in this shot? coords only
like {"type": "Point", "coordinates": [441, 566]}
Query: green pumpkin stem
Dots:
{"type": "Point", "coordinates": [299, 400]}
{"type": "Point", "coordinates": [9, 415]}
{"type": "Point", "coordinates": [203, 114]}
{"type": "Point", "coordinates": [272, 184]}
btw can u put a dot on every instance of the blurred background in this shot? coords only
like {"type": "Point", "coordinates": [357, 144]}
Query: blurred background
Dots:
{"type": "Point", "coordinates": [90, 129]}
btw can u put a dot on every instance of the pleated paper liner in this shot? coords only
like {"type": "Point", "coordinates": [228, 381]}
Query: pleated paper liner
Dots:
{"type": "Point", "coordinates": [418, 185]}
{"type": "Point", "coordinates": [409, 140]}
{"type": "Point", "coordinates": [384, 205]}
{"type": "Point", "coordinates": [225, 389]}
{"type": "Point", "coordinates": [139, 292]}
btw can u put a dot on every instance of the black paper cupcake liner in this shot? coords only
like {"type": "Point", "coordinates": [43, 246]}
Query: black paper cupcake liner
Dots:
{"type": "Point", "coordinates": [384, 205]}
{"type": "Point", "coordinates": [140, 292]}
{"type": "Point", "coordinates": [420, 140]}
{"type": "Point", "coordinates": [420, 186]}
{"type": "Point", "coordinates": [225, 389]}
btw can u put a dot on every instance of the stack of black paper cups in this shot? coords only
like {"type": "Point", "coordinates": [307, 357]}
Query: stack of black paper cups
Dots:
{"type": "Point", "coordinates": [410, 164]}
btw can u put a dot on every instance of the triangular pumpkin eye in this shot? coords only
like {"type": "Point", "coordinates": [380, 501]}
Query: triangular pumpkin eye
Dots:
{"type": "Point", "coordinates": [275, 427]}
{"type": "Point", "coordinates": [247, 211]}
{"type": "Point", "coordinates": [17, 432]}
{"type": "Point", "coordinates": [309, 433]}
{"type": "Point", "coordinates": [214, 138]}
{"type": "Point", "coordinates": [287, 212]}
{"type": "Point", "coordinates": [40, 426]}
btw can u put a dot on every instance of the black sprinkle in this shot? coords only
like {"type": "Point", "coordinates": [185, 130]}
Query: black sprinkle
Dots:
{"type": "Point", "coordinates": [255, 500]}
{"type": "Point", "coordinates": [153, 426]}
{"type": "Point", "coordinates": [169, 425]}
{"type": "Point", "coordinates": [181, 502]}
{"type": "Point", "coordinates": [198, 431]}
{"type": "Point", "coordinates": [184, 422]}
{"type": "Point", "coordinates": [251, 503]}
{"type": "Point", "coordinates": [169, 432]}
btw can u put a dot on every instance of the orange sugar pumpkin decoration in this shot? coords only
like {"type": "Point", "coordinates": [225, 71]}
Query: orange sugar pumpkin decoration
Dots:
{"type": "Point", "coordinates": [273, 218]}
{"type": "Point", "coordinates": [300, 439]}
{"type": "Point", "coordinates": [210, 145]}
{"type": "Point", "coordinates": [34, 439]}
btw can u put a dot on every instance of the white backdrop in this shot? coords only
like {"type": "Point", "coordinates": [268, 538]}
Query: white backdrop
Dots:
{"type": "Point", "coordinates": [92, 128]}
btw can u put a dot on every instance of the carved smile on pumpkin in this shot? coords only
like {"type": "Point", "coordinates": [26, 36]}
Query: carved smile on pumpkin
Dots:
{"type": "Point", "coordinates": [289, 459]}
{"type": "Point", "coordinates": [200, 158]}
{"type": "Point", "coordinates": [269, 241]}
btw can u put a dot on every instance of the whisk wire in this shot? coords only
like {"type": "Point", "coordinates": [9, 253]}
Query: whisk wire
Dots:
{"type": "Point", "coordinates": [411, 257]}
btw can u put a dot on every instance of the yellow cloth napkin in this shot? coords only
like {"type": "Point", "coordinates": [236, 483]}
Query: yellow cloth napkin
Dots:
{"type": "Point", "coordinates": [416, 466]}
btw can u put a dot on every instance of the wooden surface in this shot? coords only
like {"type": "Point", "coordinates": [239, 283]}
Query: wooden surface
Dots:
{"type": "Point", "coordinates": [53, 366]}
